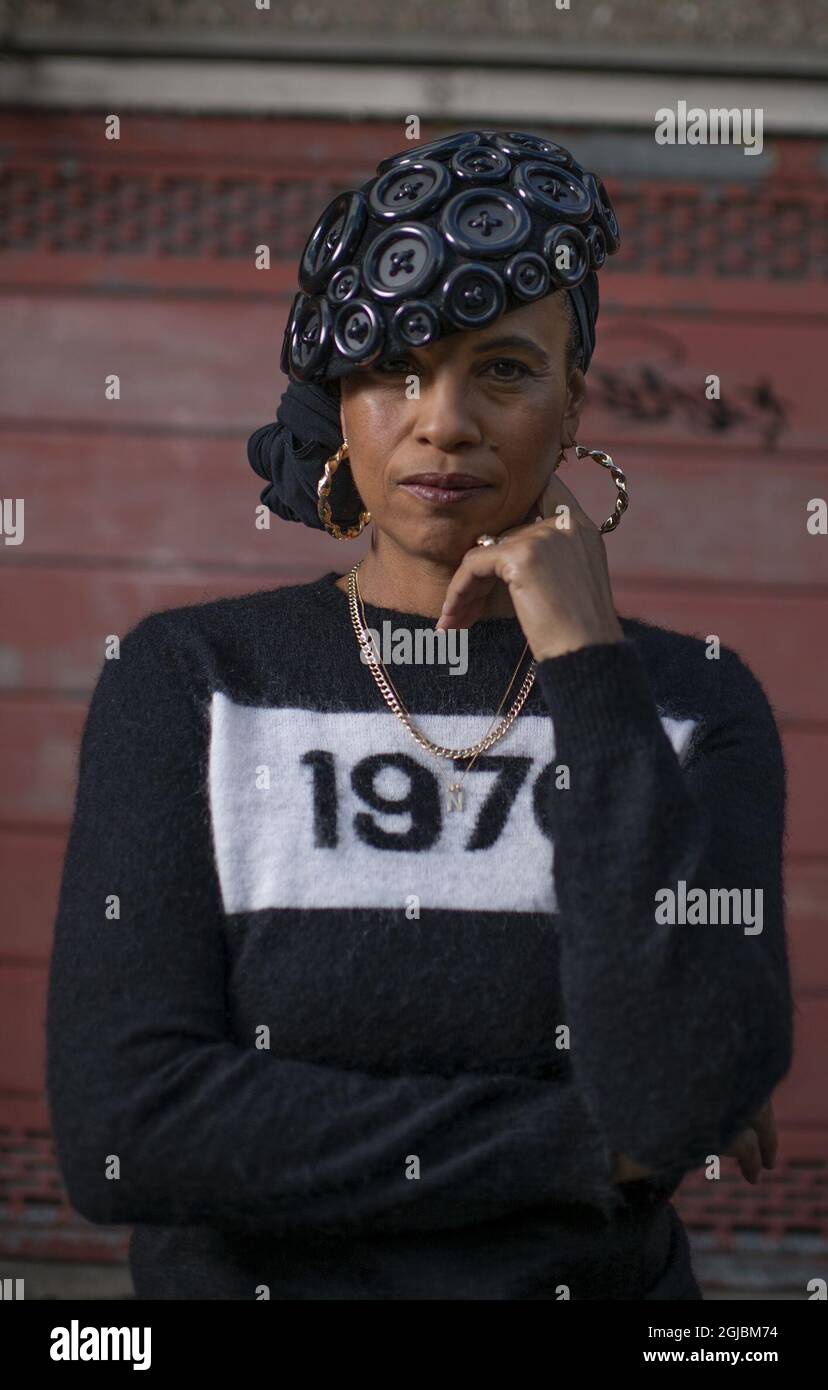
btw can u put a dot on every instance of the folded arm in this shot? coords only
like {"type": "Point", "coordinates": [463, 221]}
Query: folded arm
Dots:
{"type": "Point", "coordinates": [679, 1032]}
{"type": "Point", "coordinates": [159, 1115]}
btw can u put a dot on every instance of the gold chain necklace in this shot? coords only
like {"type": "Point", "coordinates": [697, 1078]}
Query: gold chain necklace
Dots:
{"type": "Point", "coordinates": [395, 704]}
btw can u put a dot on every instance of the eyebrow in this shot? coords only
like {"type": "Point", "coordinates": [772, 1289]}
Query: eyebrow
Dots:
{"type": "Point", "coordinates": [514, 340]}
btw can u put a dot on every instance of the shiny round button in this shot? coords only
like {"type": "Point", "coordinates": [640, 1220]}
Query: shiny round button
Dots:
{"type": "Point", "coordinates": [485, 222]}
{"type": "Point", "coordinates": [527, 275]}
{"type": "Point", "coordinates": [597, 244]}
{"type": "Point", "coordinates": [518, 145]}
{"type": "Point", "coordinates": [566, 255]}
{"type": "Point", "coordinates": [411, 191]}
{"type": "Point", "coordinates": [343, 284]}
{"type": "Point", "coordinates": [284, 359]}
{"type": "Point", "coordinates": [480, 164]}
{"type": "Point", "coordinates": [359, 332]}
{"type": "Point", "coordinates": [415, 324]}
{"type": "Point", "coordinates": [552, 190]}
{"type": "Point", "coordinates": [310, 338]}
{"type": "Point", "coordinates": [604, 212]}
{"type": "Point", "coordinates": [473, 295]}
{"type": "Point", "coordinates": [333, 240]}
{"type": "Point", "coordinates": [403, 260]}
{"type": "Point", "coordinates": [436, 149]}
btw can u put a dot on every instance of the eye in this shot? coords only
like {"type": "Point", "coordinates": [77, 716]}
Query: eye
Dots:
{"type": "Point", "coordinates": [395, 365]}
{"type": "Point", "coordinates": [511, 362]}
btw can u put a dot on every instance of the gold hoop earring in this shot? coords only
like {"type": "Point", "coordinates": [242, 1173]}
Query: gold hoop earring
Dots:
{"type": "Point", "coordinates": [323, 506]}
{"type": "Point", "coordinates": [622, 501]}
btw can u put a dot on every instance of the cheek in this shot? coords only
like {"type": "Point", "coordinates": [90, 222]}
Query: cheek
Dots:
{"type": "Point", "coordinates": [371, 413]}
{"type": "Point", "coordinates": [375, 424]}
{"type": "Point", "coordinates": [380, 413]}
{"type": "Point", "coordinates": [529, 442]}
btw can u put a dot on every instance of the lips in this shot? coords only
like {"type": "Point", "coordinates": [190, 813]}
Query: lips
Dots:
{"type": "Point", "coordinates": [442, 481]}
{"type": "Point", "coordinates": [445, 489]}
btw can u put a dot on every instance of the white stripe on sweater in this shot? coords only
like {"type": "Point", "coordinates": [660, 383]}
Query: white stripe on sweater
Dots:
{"type": "Point", "coordinates": [273, 852]}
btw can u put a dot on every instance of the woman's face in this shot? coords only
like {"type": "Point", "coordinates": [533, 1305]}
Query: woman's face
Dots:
{"type": "Point", "coordinates": [497, 410]}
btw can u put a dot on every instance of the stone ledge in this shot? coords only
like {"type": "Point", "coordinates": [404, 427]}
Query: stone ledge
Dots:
{"type": "Point", "coordinates": [764, 25]}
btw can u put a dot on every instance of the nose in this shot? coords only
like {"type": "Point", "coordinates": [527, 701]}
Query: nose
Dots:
{"type": "Point", "coordinates": [444, 422]}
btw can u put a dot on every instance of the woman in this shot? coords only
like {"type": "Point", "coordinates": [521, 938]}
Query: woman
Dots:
{"type": "Point", "coordinates": [354, 994]}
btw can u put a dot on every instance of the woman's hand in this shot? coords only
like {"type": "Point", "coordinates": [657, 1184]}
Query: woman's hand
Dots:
{"type": "Point", "coordinates": [556, 571]}
{"type": "Point", "coordinates": [754, 1147]}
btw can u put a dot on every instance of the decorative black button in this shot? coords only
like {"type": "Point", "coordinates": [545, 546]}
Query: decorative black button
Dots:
{"type": "Point", "coordinates": [604, 212]}
{"type": "Point", "coordinates": [436, 149]}
{"type": "Point", "coordinates": [415, 324]}
{"type": "Point", "coordinates": [481, 164]}
{"type": "Point", "coordinates": [310, 338]}
{"type": "Point", "coordinates": [597, 243]}
{"type": "Point", "coordinates": [411, 191]}
{"type": "Point", "coordinates": [485, 222]}
{"type": "Point", "coordinates": [344, 284]}
{"type": "Point", "coordinates": [552, 190]}
{"type": "Point", "coordinates": [527, 275]}
{"type": "Point", "coordinates": [333, 240]}
{"type": "Point", "coordinates": [359, 332]}
{"type": "Point", "coordinates": [518, 145]}
{"type": "Point", "coordinates": [473, 295]}
{"type": "Point", "coordinates": [403, 260]}
{"type": "Point", "coordinates": [567, 256]}
{"type": "Point", "coordinates": [284, 360]}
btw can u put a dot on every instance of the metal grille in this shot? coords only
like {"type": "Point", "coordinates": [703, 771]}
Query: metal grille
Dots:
{"type": "Point", "coordinates": [155, 214]}
{"type": "Point", "coordinates": [755, 232]}
{"type": "Point", "coordinates": [787, 1207]}
{"type": "Point", "coordinates": [767, 1239]}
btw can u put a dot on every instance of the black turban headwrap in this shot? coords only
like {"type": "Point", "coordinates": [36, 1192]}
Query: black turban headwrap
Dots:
{"type": "Point", "coordinates": [476, 224]}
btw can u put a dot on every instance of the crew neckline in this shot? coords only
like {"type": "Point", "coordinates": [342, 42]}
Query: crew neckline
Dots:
{"type": "Point", "coordinates": [326, 591]}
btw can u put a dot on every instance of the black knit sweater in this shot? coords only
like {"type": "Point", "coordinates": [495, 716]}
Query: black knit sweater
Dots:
{"type": "Point", "coordinates": [318, 1036]}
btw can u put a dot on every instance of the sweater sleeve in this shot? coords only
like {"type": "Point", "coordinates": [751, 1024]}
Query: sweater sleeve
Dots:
{"type": "Point", "coordinates": [160, 1116]}
{"type": "Point", "coordinates": [679, 1033]}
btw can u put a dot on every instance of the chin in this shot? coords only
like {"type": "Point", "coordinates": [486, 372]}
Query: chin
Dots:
{"type": "Point", "coordinates": [444, 549]}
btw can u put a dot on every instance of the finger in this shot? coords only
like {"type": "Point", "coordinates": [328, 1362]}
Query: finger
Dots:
{"type": "Point", "coordinates": [765, 1127]}
{"type": "Point", "coordinates": [470, 585]}
{"type": "Point", "coordinates": [746, 1151]}
{"type": "Point", "coordinates": [511, 531]}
